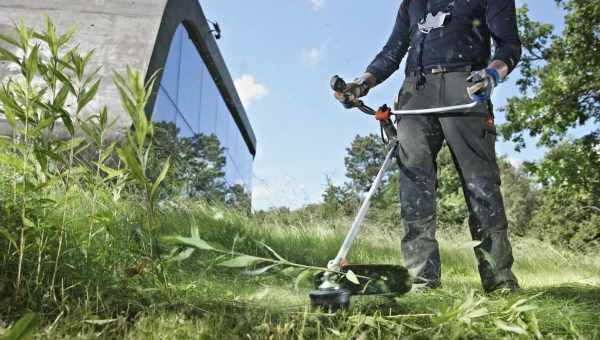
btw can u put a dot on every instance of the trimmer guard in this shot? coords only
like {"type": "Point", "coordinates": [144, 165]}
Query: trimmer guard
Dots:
{"type": "Point", "coordinates": [383, 279]}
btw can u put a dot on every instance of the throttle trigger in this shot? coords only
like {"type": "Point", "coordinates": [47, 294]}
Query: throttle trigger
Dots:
{"type": "Point", "coordinates": [383, 113]}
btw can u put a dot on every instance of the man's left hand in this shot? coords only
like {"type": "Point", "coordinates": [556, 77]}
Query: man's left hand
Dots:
{"type": "Point", "coordinates": [484, 83]}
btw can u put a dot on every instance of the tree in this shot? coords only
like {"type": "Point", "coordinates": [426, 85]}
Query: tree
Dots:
{"type": "Point", "coordinates": [569, 214]}
{"type": "Point", "coordinates": [238, 198]}
{"type": "Point", "coordinates": [339, 200]}
{"type": "Point", "coordinates": [559, 85]}
{"type": "Point", "coordinates": [571, 168]}
{"type": "Point", "coordinates": [198, 163]}
{"type": "Point", "coordinates": [451, 205]}
{"type": "Point", "coordinates": [520, 197]}
{"type": "Point", "coordinates": [560, 75]}
{"type": "Point", "coordinates": [364, 159]}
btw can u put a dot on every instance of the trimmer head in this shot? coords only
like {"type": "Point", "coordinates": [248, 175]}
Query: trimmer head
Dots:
{"type": "Point", "coordinates": [374, 279]}
{"type": "Point", "coordinates": [330, 299]}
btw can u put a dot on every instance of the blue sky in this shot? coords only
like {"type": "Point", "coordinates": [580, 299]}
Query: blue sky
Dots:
{"type": "Point", "coordinates": [282, 54]}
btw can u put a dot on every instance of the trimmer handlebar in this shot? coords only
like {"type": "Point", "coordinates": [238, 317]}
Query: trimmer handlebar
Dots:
{"type": "Point", "coordinates": [339, 85]}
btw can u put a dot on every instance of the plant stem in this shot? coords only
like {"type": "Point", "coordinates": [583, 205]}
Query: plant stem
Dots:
{"type": "Point", "coordinates": [24, 194]}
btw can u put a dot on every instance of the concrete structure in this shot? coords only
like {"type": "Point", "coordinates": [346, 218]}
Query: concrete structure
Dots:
{"type": "Point", "coordinates": [138, 33]}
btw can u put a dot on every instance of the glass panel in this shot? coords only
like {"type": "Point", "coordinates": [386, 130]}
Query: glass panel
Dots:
{"type": "Point", "coordinates": [209, 97]}
{"type": "Point", "coordinates": [229, 169]}
{"type": "Point", "coordinates": [189, 97]}
{"type": "Point", "coordinates": [248, 172]}
{"type": "Point", "coordinates": [190, 82]}
{"type": "Point", "coordinates": [170, 76]}
{"type": "Point", "coordinates": [208, 114]}
{"type": "Point", "coordinates": [164, 110]}
{"type": "Point", "coordinates": [222, 123]}
{"type": "Point", "coordinates": [232, 131]}
{"type": "Point", "coordinates": [184, 129]}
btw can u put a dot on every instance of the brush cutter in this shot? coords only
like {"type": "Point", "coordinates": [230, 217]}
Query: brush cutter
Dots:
{"type": "Point", "coordinates": [335, 286]}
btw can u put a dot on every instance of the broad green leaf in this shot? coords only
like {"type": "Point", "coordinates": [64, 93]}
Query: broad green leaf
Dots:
{"type": "Point", "coordinates": [304, 275]}
{"type": "Point", "coordinates": [112, 173]}
{"type": "Point", "coordinates": [240, 261]}
{"type": "Point", "coordinates": [15, 162]}
{"type": "Point", "coordinates": [42, 158]}
{"type": "Point", "coordinates": [70, 144]}
{"type": "Point", "coordinates": [103, 117]}
{"type": "Point", "coordinates": [160, 178]}
{"type": "Point", "coordinates": [66, 37]}
{"type": "Point", "coordinates": [182, 255]}
{"type": "Point", "coordinates": [8, 236]}
{"type": "Point", "coordinates": [61, 97]}
{"type": "Point", "coordinates": [510, 328]}
{"type": "Point", "coordinates": [132, 163]}
{"type": "Point", "coordinates": [8, 113]}
{"type": "Point", "coordinates": [91, 132]}
{"type": "Point", "coordinates": [31, 64]}
{"type": "Point", "coordinates": [106, 152]}
{"type": "Point", "coordinates": [78, 170]}
{"type": "Point", "coordinates": [8, 56]}
{"type": "Point", "coordinates": [28, 223]}
{"type": "Point", "coordinates": [91, 77]}
{"type": "Point", "coordinates": [260, 271]}
{"type": "Point", "coordinates": [66, 119]}
{"type": "Point", "coordinates": [66, 81]}
{"type": "Point", "coordinates": [87, 96]}
{"type": "Point", "coordinates": [9, 40]}
{"type": "Point", "coordinates": [24, 328]}
{"type": "Point", "coordinates": [192, 242]}
{"type": "Point", "coordinates": [128, 104]}
{"type": "Point", "coordinates": [43, 124]}
{"type": "Point", "coordinates": [352, 277]}
{"type": "Point", "coordinates": [23, 32]}
{"type": "Point", "coordinates": [291, 271]}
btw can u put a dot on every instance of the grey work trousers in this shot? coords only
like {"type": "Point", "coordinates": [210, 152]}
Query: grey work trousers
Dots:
{"type": "Point", "coordinates": [471, 137]}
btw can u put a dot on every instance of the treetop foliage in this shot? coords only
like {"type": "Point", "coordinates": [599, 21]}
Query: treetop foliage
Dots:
{"type": "Point", "coordinates": [560, 76]}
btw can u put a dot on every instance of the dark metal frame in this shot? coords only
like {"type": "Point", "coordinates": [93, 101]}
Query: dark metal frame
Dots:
{"type": "Point", "coordinates": [190, 14]}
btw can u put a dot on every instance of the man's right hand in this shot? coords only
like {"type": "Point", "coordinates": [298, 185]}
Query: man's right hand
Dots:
{"type": "Point", "coordinates": [354, 90]}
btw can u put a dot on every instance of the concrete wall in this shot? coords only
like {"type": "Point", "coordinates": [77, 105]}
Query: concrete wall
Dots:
{"type": "Point", "coordinates": [127, 32]}
{"type": "Point", "coordinates": [121, 32]}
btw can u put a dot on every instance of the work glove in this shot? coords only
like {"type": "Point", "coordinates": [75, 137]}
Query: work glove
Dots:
{"type": "Point", "coordinates": [484, 83]}
{"type": "Point", "coordinates": [355, 89]}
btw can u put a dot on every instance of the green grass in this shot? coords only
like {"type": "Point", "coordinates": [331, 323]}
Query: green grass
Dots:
{"type": "Point", "coordinates": [196, 298]}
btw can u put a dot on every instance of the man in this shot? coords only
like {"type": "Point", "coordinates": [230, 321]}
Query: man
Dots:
{"type": "Point", "coordinates": [449, 50]}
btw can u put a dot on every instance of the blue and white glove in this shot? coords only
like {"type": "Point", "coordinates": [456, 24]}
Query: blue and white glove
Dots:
{"type": "Point", "coordinates": [484, 83]}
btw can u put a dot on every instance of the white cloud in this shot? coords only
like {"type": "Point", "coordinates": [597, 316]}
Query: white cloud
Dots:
{"type": "Point", "coordinates": [250, 89]}
{"type": "Point", "coordinates": [317, 4]}
{"type": "Point", "coordinates": [516, 163]}
{"type": "Point", "coordinates": [313, 56]}
{"type": "Point", "coordinates": [281, 191]}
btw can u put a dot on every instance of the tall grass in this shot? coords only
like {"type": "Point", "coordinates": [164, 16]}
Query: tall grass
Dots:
{"type": "Point", "coordinates": [61, 187]}
{"type": "Point", "coordinates": [200, 299]}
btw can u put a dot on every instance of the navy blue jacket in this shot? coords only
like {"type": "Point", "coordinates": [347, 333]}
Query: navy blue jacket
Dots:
{"type": "Point", "coordinates": [466, 40]}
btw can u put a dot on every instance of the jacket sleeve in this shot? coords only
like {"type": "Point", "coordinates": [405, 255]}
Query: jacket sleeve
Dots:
{"type": "Point", "coordinates": [389, 59]}
{"type": "Point", "coordinates": [501, 19]}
